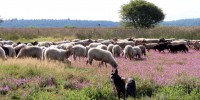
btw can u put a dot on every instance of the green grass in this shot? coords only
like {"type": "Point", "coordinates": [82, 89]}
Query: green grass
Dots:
{"type": "Point", "coordinates": [56, 80]}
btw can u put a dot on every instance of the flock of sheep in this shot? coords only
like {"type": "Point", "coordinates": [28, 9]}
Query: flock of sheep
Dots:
{"type": "Point", "coordinates": [101, 50]}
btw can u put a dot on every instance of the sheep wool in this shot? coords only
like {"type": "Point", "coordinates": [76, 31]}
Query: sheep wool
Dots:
{"type": "Point", "coordinates": [101, 55]}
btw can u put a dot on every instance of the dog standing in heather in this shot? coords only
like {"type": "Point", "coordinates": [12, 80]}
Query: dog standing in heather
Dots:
{"type": "Point", "coordinates": [122, 85]}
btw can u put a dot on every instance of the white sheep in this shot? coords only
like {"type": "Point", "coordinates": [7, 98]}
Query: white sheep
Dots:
{"type": "Point", "coordinates": [29, 44]}
{"type": "Point", "coordinates": [79, 51]}
{"type": "Point", "coordinates": [66, 46]}
{"type": "Point", "coordinates": [30, 51]}
{"type": "Point", "coordinates": [2, 54]}
{"type": "Point", "coordinates": [57, 54]}
{"type": "Point", "coordinates": [123, 43]}
{"type": "Point", "coordinates": [129, 52]}
{"type": "Point", "coordinates": [18, 48]}
{"type": "Point", "coordinates": [8, 42]}
{"type": "Point", "coordinates": [138, 52]}
{"type": "Point", "coordinates": [101, 55]}
{"type": "Point", "coordinates": [94, 45]}
{"type": "Point", "coordinates": [11, 52]}
{"type": "Point", "coordinates": [116, 50]}
{"type": "Point", "coordinates": [196, 45]}
{"type": "Point", "coordinates": [110, 47]}
{"type": "Point", "coordinates": [106, 42]}
{"type": "Point", "coordinates": [143, 49]}
{"type": "Point", "coordinates": [102, 46]}
{"type": "Point", "coordinates": [186, 42]}
{"type": "Point", "coordinates": [46, 44]}
{"type": "Point", "coordinates": [149, 46]}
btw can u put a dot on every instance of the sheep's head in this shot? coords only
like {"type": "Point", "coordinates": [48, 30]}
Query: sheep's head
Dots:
{"type": "Point", "coordinates": [69, 52]}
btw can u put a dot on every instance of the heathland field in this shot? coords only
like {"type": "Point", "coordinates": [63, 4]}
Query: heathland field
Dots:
{"type": "Point", "coordinates": [158, 76]}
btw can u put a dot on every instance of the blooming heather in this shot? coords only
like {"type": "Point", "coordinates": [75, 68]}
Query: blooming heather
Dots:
{"type": "Point", "coordinates": [162, 68]}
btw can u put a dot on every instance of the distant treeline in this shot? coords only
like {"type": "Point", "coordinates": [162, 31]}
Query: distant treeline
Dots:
{"type": "Point", "coordinates": [15, 23]}
{"type": "Point", "coordinates": [183, 22]}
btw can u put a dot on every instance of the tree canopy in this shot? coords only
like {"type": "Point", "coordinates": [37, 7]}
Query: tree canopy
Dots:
{"type": "Point", "coordinates": [141, 14]}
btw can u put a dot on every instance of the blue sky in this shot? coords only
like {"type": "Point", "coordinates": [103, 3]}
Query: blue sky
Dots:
{"type": "Point", "coordinates": [90, 9]}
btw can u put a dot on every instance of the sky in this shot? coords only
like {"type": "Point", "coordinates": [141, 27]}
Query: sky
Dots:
{"type": "Point", "coordinates": [91, 9]}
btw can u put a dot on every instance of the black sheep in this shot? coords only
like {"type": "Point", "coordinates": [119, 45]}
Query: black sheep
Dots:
{"type": "Point", "coordinates": [6, 50]}
{"type": "Point", "coordinates": [161, 47]}
{"type": "Point", "coordinates": [174, 48]}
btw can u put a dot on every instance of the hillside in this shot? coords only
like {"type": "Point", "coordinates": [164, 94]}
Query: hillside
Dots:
{"type": "Point", "coordinates": [57, 23]}
{"type": "Point", "coordinates": [182, 22]}
{"type": "Point", "coordinates": [14, 23]}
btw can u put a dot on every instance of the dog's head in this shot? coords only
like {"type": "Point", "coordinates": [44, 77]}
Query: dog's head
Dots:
{"type": "Point", "coordinates": [114, 74]}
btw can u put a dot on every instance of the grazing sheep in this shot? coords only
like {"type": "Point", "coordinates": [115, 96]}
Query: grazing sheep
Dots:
{"type": "Point", "coordinates": [162, 40]}
{"type": "Point", "coordinates": [196, 45]}
{"type": "Point", "coordinates": [29, 44]}
{"type": "Point", "coordinates": [79, 51]}
{"type": "Point", "coordinates": [46, 44]}
{"type": "Point", "coordinates": [110, 47]}
{"type": "Point", "coordinates": [139, 41]}
{"type": "Point", "coordinates": [161, 47]}
{"type": "Point", "coordinates": [6, 50]}
{"type": "Point", "coordinates": [75, 40]}
{"type": "Point", "coordinates": [30, 51]}
{"type": "Point", "coordinates": [2, 54]}
{"type": "Point", "coordinates": [117, 50]}
{"type": "Point", "coordinates": [138, 52]}
{"type": "Point", "coordinates": [101, 55]}
{"type": "Point", "coordinates": [11, 51]}
{"type": "Point", "coordinates": [174, 48]}
{"type": "Point", "coordinates": [143, 49]}
{"type": "Point", "coordinates": [122, 85]}
{"type": "Point", "coordinates": [57, 54]}
{"type": "Point", "coordinates": [150, 40]}
{"type": "Point", "coordinates": [149, 46]}
{"type": "Point", "coordinates": [86, 41]}
{"type": "Point", "coordinates": [128, 52]}
{"type": "Point", "coordinates": [186, 42]}
{"type": "Point", "coordinates": [18, 48]}
{"type": "Point", "coordinates": [99, 40]}
{"type": "Point", "coordinates": [122, 44]}
{"type": "Point", "coordinates": [94, 45]}
{"type": "Point", "coordinates": [107, 42]}
{"type": "Point", "coordinates": [66, 46]}
{"type": "Point", "coordinates": [102, 46]}
{"type": "Point", "coordinates": [8, 42]}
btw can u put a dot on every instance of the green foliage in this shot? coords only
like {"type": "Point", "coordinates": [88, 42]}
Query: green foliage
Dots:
{"type": "Point", "coordinates": [177, 92]}
{"type": "Point", "coordinates": [141, 14]}
{"type": "Point", "coordinates": [95, 92]}
{"type": "Point", "coordinates": [145, 88]}
{"type": "Point", "coordinates": [69, 27]}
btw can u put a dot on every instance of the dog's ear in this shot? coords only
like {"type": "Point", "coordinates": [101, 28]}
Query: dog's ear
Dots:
{"type": "Point", "coordinates": [116, 71]}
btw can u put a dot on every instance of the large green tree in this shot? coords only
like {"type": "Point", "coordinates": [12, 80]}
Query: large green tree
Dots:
{"type": "Point", "coordinates": [141, 14]}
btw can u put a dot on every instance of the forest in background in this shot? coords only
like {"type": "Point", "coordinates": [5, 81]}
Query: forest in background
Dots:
{"type": "Point", "coordinates": [22, 23]}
